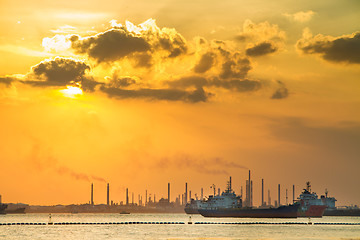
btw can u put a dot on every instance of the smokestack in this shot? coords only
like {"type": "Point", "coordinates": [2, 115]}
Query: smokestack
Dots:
{"type": "Point", "coordinates": [108, 195]}
{"type": "Point", "coordinates": [190, 195]}
{"type": "Point", "coordinates": [286, 197]}
{"type": "Point", "coordinates": [92, 194]}
{"type": "Point", "coordinates": [251, 194]}
{"type": "Point", "coordinates": [293, 193]}
{"type": "Point", "coordinates": [132, 199]}
{"type": "Point", "coordinates": [269, 198]}
{"type": "Point", "coordinates": [262, 192]}
{"type": "Point", "coordinates": [168, 192]}
{"type": "Point", "coordinates": [186, 191]}
{"type": "Point", "coordinates": [202, 194]}
{"type": "Point", "coordinates": [146, 197]}
{"type": "Point", "coordinates": [230, 183]}
{"type": "Point", "coordinates": [279, 195]}
{"type": "Point", "coordinates": [127, 196]}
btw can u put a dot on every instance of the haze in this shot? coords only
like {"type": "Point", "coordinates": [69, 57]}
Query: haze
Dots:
{"type": "Point", "coordinates": [141, 93]}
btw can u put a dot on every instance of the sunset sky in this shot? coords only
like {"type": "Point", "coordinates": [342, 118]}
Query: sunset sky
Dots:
{"type": "Point", "coordinates": [141, 93]}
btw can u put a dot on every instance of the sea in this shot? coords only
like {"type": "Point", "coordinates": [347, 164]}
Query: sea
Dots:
{"type": "Point", "coordinates": [179, 226]}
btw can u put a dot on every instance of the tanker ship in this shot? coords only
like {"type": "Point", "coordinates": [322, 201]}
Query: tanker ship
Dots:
{"type": "Point", "coordinates": [228, 204]}
{"type": "Point", "coordinates": [310, 204]}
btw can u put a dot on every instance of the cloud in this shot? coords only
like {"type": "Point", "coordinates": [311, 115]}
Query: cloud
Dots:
{"type": "Point", "coordinates": [281, 92]}
{"type": "Point", "coordinates": [261, 32]}
{"type": "Point", "coordinates": [169, 94]}
{"type": "Point", "coordinates": [261, 49]}
{"type": "Point", "coordinates": [60, 72]}
{"type": "Point", "coordinates": [345, 49]}
{"type": "Point", "coordinates": [212, 166]}
{"type": "Point", "coordinates": [206, 62]}
{"type": "Point", "coordinates": [239, 85]}
{"type": "Point", "coordinates": [6, 80]}
{"type": "Point", "coordinates": [237, 67]}
{"type": "Point", "coordinates": [300, 16]}
{"type": "Point", "coordinates": [136, 42]}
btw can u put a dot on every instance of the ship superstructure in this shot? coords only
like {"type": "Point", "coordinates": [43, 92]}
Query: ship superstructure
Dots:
{"type": "Point", "coordinates": [310, 204]}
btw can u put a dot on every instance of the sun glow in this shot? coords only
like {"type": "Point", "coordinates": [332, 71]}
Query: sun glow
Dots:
{"type": "Point", "coordinates": [72, 92]}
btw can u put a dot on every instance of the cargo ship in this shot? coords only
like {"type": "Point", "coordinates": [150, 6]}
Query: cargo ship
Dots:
{"type": "Point", "coordinates": [344, 211]}
{"type": "Point", "coordinates": [310, 204]}
{"type": "Point", "coordinates": [193, 206]}
{"type": "Point", "coordinates": [228, 204]}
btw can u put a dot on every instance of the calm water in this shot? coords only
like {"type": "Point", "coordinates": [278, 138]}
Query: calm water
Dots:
{"type": "Point", "coordinates": [186, 231]}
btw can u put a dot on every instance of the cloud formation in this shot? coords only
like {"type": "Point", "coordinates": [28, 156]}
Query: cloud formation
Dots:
{"type": "Point", "coordinates": [169, 94]}
{"type": "Point", "coordinates": [138, 42]}
{"type": "Point", "coordinates": [300, 16]}
{"type": "Point", "coordinates": [6, 81]}
{"type": "Point", "coordinates": [261, 49]}
{"type": "Point", "coordinates": [58, 72]}
{"type": "Point", "coordinates": [345, 49]}
{"type": "Point", "coordinates": [281, 92]}
{"type": "Point", "coordinates": [260, 32]}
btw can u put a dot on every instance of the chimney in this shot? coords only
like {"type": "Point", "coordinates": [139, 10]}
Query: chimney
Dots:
{"type": "Point", "coordinates": [293, 193]}
{"type": "Point", "coordinates": [168, 192]}
{"type": "Point", "coordinates": [202, 194]}
{"type": "Point", "coordinates": [108, 195]}
{"type": "Point", "coordinates": [186, 191]}
{"type": "Point", "coordinates": [127, 196]}
{"type": "Point", "coordinates": [262, 192]}
{"type": "Point", "coordinates": [279, 195]}
{"type": "Point", "coordinates": [92, 194]}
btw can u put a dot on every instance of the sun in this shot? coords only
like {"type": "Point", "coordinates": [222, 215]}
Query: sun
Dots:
{"type": "Point", "coordinates": [72, 92]}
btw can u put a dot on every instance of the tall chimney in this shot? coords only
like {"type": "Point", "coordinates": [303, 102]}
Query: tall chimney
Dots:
{"type": "Point", "coordinates": [293, 193]}
{"type": "Point", "coordinates": [108, 195]}
{"type": "Point", "coordinates": [168, 192]}
{"type": "Point", "coordinates": [251, 194]}
{"type": "Point", "coordinates": [202, 194]}
{"type": "Point", "coordinates": [92, 194]}
{"type": "Point", "coordinates": [146, 200]}
{"type": "Point", "coordinates": [262, 192]}
{"type": "Point", "coordinates": [186, 199]}
{"type": "Point", "coordinates": [230, 183]}
{"type": "Point", "coordinates": [127, 196]}
{"type": "Point", "coordinates": [279, 195]}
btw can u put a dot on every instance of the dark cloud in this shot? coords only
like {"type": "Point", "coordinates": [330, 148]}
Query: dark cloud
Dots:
{"type": "Point", "coordinates": [342, 49]}
{"type": "Point", "coordinates": [261, 49]}
{"type": "Point", "coordinates": [111, 45]}
{"type": "Point", "coordinates": [281, 92]}
{"type": "Point", "coordinates": [240, 85]}
{"type": "Point", "coordinates": [134, 42]}
{"type": "Point", "coordinates": [207, 60]}
{"type": "Point", "coordinates": [58, 72]}
{"type": "Point", "coordinates": [198, 95]}
{"type": "Point", "coordinates": [235, 68]}
{"type": "Point", "coordinates": [121, 82]}
{"type": "Point", "coordinates": [6, 80]}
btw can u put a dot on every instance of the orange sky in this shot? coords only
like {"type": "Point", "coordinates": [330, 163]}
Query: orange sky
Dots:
{"type": "Point", "coordinates": [139, 95]}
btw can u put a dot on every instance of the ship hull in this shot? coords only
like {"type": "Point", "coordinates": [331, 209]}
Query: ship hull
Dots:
{"type": "Point", "coordinates": [342, 212]}
{"type": "Point", "coordinates": [280, 212]}
{"type": "Point", "coordinates": [191, 210]}
{"type": "Point", "coordinates": [312, 211]}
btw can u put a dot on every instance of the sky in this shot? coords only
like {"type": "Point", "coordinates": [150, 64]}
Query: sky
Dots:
{"type": "Point", "coordinates": [140, 93]}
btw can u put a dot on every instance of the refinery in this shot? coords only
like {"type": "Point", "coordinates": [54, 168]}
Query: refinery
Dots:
{"type": "Point", "coordinates": [310, 205]}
